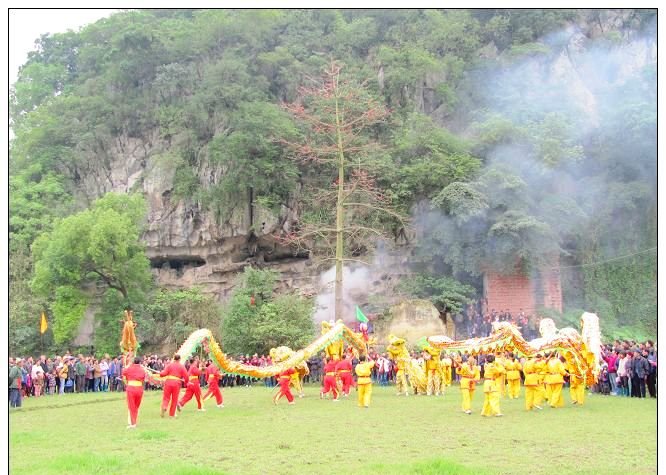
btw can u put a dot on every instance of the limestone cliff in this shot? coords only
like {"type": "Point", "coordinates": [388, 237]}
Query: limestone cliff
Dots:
{"type": "Point", "coordinates": [187, 246]}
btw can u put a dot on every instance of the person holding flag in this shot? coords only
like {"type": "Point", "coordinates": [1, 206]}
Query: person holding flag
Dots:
{"type": "Point", "coordinates": [363, 326]}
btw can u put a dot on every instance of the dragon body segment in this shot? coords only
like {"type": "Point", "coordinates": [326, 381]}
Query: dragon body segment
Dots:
{"type": "Point", "coordinates": [283, 357]}
{"type": "Point", "coordinates": [581, 350]}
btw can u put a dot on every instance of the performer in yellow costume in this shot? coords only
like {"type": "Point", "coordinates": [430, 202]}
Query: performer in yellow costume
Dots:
{"type": "Point", "coordinates": [555, 380]}
{"type": "Point", "coordinates": [397, 352]}
{"type": "Point", "coordinates": [364, 382]}
{"type": "Point", "coordinates": [296, 378]}
{"type": "Point", "coordinates": [432, 370]}
{"type": "Point", "coordinates": [501, 383]}
{"type": "Point", "coordinates": [541, 368]}
{"type": "Point", "coordinates": [576, 385]}
{"type": "Point", "coordinates": [336, 349]}
{"type": "Point", "coordinates": [513, 368]}
{"type": "Point", "coordinates": [531, 384]}
{"type": "Point", "coordinates": [469, 374]}
{"type": "Point", "coordinates": [491, 375]}
{"type": "Point", "coordinates": [446, 363]}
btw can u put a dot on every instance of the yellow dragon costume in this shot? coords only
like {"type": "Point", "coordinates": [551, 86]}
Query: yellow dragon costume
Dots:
{"type": "Point", "coordinates": [432, 370]}
{"type": "Point", "coordinates": [581, 351]}
{"type": "Point", "coordinates": [336, 349]}
{"type": "Point", "coordinates": [405, 367]}
{"type": "Point", "coordinates": [397, 352]}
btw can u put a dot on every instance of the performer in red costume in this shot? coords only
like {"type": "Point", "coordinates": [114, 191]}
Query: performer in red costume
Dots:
{"type": "Point", "coordinates": [284, 379]}
{"type": "Point", "coordinates": [193, 386]}
{"type": "Point", "coordinates": [329, 379]}
{"type": "Point", "coordinates": [213, 377]}
{"type": "Point", "coordinates": [344, 370]}
{"type": "Point", "coordinates": [134, 376]}
{"type": "Point", "coordinates": [175, 374]}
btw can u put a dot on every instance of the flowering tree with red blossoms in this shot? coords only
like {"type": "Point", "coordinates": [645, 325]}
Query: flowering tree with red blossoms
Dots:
{"type": "Point", "coordinates": [350, 212]}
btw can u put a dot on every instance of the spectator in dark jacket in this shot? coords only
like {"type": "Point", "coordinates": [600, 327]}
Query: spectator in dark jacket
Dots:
{"type": "Point", "coordinates": [629, 368]}
{"type": "Point", "coordinates": [640, 369]}
{"type": "Point", "coordinates": [652, 377]}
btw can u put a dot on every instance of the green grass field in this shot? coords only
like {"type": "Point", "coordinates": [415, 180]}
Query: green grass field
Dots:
{"type": "Point", "coordinates": [86, 434]}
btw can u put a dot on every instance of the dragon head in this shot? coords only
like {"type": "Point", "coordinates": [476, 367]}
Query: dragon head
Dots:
{"type": "Point", "coordinates": [547, 328]}
{"type": "Point", "coordinates": [589, 329]}
{"type": "Point", "coordinates": [325, 326]}
{"type": "Point", "coordinates": [280, 354]}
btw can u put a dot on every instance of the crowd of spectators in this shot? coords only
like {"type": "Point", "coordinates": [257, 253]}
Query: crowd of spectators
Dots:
{"type": "Point", "coordinates": [66, 374]}
{"type": "Point", "coordinates": [36, 377]}
{"type": "Point", "coordinates": [472, 322]}
{"type": "Point", "coordinates": [628, 369]}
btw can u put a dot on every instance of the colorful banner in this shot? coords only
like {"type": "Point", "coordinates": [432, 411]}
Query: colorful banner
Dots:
{"type": "Point", "coordinates": [360, 317]}
{"type": "Point", "coordinates": [43, 326]}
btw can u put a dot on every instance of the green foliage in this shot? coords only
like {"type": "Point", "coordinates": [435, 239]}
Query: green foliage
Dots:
{"type": "Point", "coordinates": [446, 293]}
{"type": "Point", "coordinates": [529, 25]}
{"type": "Point", "coordinates": [271, 321]}
{"type": "Point", "coordinates": [203, 86]}
{"type": "Point", "coordinates": [169, 317]}
{"type": "Point", "coordinates": [24, 308]}
{"type": "Point", "coordinates": [34, 205]}
{"type": "Point", "coordinates": [285, 321]}
{"type": "Point", "coordinates": [240, 317]}
{"type": "Point", "coordinates": [69, 305]}
{"type": "Point", "coordinates": [428, 157]}
{"type": "Point", "coordinates": [253, 158]}
{"type": "Point", "coordinates": [96, 247]}
{"type": "Point", "coordinates": [461, 200]}
{"type": "Point", "coordinates": [528, 49]}
{"type": "Point", "coordinates": [624, 293]}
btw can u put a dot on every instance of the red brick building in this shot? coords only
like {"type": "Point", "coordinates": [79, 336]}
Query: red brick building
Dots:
{"type": "Point", "coordinates": [515, 291]}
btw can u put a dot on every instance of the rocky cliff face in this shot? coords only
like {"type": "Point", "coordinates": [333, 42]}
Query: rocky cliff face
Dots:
{"type": "Point", "coordinates": [188, 247]}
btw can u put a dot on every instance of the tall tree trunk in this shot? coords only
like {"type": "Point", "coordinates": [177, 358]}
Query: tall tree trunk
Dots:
{"type": "Point", "coordinates": [339, 217]}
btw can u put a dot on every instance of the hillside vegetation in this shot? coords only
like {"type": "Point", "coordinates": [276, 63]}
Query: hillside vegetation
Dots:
{"type": "Point", "coordinates": [515, 138]}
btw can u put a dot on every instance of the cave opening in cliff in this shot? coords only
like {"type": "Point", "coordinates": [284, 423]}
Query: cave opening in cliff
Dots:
{"type": "Point", "coordinates": [178, 263]}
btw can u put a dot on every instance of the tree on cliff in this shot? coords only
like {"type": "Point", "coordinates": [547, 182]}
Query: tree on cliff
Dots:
{"type": "Point", "coordinates": [95, 250]}
{"type": "Point", "coordinates": [255, 320]}
{"type": "Point", "coordinates": [341, 122]}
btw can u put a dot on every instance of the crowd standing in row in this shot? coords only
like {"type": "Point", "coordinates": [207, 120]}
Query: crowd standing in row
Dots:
{"type": "Point", "coordinates": [473, 322]}
{"type": "Point", "coordinates": [628, 369]}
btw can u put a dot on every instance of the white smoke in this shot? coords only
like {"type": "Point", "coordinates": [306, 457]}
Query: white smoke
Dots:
{"type": "Point", "coordinates": [356, 280]}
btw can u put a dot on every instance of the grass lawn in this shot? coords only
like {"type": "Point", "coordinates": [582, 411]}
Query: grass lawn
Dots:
{"type": "Point", "coordinates": [86, 434]}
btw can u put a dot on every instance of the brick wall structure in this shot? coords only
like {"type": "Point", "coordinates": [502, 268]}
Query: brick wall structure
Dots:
{"type": "Point", "coordinates": [514, 291]}
{"type": "Point", "coordinates": [552, 289]}
{"type": "Point", "coordinates": [528, 292]}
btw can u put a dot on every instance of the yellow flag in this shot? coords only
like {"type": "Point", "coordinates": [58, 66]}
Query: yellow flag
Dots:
{"type": "Point", "coordinates": [43, 325]}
